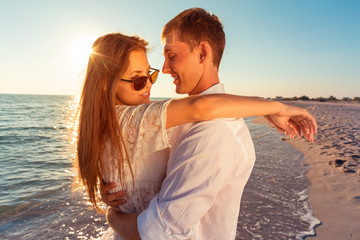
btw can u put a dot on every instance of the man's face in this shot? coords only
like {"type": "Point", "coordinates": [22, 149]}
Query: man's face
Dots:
{"type": "Point", "coordinates": [182, 64]}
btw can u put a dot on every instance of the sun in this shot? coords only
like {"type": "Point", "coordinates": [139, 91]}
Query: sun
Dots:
{"type": "Point", "coordinates": [81, 50]}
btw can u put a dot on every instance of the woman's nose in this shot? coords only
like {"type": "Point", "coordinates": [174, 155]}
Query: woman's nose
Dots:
{"type": "Point", "coordinates": [148, 82]}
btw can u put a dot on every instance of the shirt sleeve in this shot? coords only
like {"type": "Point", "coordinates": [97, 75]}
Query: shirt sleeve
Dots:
{"type": "Point", "coordinates": [198, 168]}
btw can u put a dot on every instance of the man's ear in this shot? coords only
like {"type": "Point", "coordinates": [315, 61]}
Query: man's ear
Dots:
{"type": "Point", "coordinates": [203, 51]}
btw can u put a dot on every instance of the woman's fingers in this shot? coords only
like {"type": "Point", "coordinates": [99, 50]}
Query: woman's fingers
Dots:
{"type": "Point", "coordinates": [294, 126]}
{"type": "Point", "coordinates": [313, 123]}
{"type": "Point", "coordinates": [294, 121]}
{"type": "Point", "coordinates": [310, 123]}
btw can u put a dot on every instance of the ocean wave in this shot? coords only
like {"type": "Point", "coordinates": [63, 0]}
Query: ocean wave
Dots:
{"type": "Point", "coordinates": [31, 128]}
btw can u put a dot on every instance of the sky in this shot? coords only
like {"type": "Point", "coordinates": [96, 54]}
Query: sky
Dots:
{"type": "Point", "coordinates": [273, 47]}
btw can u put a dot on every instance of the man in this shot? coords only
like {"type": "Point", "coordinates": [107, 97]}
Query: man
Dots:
{"type": "Point", "coordinates": [210, 162]}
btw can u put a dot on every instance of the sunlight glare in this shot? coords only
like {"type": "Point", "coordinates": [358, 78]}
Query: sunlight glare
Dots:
{"type": "Point", "coordinates": [81, 50]}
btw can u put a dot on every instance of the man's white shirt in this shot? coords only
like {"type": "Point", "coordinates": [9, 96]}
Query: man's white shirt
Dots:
{"type": "Point", "coordinates": [209, 165]}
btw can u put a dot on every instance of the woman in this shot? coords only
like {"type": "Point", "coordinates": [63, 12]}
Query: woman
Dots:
{"type": "Point", "coordinates": [122, 135]}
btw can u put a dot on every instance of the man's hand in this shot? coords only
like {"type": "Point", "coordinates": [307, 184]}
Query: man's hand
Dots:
{"type": "Point", "coordinates": [111, 199]}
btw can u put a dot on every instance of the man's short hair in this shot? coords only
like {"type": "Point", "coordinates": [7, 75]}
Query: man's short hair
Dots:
{"type": "Point", "coordinates": [195, 25]}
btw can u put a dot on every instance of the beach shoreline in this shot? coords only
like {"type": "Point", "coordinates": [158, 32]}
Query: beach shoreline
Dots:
{"type": "Point", "coordinates": [334, 173]}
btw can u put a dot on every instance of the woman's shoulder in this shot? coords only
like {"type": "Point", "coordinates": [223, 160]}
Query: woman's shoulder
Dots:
{"type": "Point", "coordinates": [143, 115]}
{"type": "Point", "coordinates": [152, 106]}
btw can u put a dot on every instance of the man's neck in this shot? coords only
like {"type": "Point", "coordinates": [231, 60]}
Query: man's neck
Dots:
{"type": "Point", "coordinates": [203, 90]}
{"type": "Point", "coordinates": [208, 80]}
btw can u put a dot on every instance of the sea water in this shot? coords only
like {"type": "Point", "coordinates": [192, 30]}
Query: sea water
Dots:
{"type": "Point", "coordinates": [36, 200]}
{"type": "Point", "coordinates": [275, 200]}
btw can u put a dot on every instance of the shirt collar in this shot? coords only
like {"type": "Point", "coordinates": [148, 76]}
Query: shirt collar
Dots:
{"type": "Point", "coordinates": [217, 88]}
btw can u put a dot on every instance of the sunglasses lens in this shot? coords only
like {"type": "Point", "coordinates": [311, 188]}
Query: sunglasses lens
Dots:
{"type": "Point", "coordinates": [140, 83]}
{"type": "Point", "coordinates": [154, 76]}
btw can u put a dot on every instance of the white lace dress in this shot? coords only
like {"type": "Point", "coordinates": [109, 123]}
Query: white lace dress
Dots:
{"type": "Point", "coordinates": [143, 128]}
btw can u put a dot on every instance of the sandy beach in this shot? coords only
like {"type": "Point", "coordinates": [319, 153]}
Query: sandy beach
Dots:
{"type": "Point", "coordinates": [334, 158]}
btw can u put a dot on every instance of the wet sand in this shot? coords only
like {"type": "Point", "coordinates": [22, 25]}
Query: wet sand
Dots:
{"type": "Point", "coordinates": [334, 158]}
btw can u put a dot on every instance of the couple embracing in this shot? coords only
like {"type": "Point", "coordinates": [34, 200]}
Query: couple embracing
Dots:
{"type": "Point", "coordinates": [173, 169]}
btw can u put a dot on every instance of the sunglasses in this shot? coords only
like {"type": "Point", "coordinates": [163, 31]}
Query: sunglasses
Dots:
{"type": "Point", "coordinates": [140, 82]}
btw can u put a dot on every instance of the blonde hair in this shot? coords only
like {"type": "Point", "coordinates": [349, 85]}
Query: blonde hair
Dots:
{"type": "Point", "coordinates": [97, 115]}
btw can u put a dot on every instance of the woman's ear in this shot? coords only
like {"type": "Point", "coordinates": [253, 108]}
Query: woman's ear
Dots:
{"type": "Point", "coordinates": [105, 87]}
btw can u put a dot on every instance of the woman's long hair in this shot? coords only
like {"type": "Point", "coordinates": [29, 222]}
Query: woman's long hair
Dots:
{"type": "Point", "coordinates": [97, 116]}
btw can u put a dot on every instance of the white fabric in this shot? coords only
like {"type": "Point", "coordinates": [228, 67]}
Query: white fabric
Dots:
{"type": "Point", "coordinates": [207, 171]}
{"type": "Point", "coordinates": [143, 129]}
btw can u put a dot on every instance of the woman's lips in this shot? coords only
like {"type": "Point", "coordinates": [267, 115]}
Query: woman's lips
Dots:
{"type": "Point", "coordinates": [146, 95]}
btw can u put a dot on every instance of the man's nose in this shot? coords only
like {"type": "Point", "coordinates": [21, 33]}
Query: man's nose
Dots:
{"type": "Point", "coordinates": [166, 69]}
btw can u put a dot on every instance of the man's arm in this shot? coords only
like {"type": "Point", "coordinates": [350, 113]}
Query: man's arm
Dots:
{"type": "Point", "coordinates": [125, 225]}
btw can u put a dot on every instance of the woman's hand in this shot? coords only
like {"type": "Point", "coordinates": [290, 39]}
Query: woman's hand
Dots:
{"type": "Point", "coordinates": [294, 121]}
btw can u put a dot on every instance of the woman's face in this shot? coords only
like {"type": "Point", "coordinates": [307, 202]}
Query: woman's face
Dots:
{"type": "Point", "coordinates": [125, 91]}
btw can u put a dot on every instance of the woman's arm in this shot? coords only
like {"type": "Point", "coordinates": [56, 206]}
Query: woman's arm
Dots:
{"type": "Point", "coordinates": [208, 107]}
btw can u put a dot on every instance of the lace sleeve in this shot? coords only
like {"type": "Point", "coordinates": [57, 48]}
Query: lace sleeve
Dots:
{"type": "Point", "coordinates": [143, 128]}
